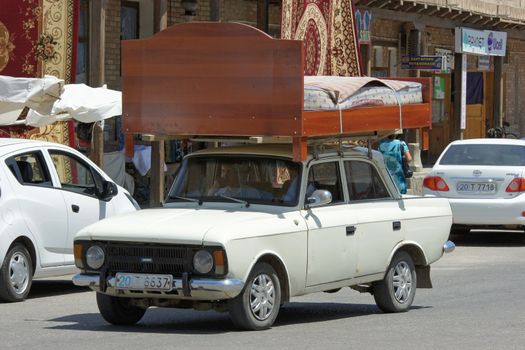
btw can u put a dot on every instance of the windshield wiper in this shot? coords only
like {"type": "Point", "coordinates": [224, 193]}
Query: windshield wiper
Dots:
{"type": "Point", "coordinates": [236, 200]}
{"type": "Point", "coordinates": [198, 201]}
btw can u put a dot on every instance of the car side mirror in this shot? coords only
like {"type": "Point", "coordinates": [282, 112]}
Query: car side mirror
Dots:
{"type": "Point", "coordinates": [318, 198]}
{"type": "Point", "coordinates": [109, 190]}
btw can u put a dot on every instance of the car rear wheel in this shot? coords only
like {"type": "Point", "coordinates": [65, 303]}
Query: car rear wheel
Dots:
{"type": "Point", "coordinates": [395, 293]}
{"type": "Point", "coordinates": [16, 274]}
{"type": "Point", "coordinates": [257, 306]}
{"type": "Point", "coordinates": [119, 311]}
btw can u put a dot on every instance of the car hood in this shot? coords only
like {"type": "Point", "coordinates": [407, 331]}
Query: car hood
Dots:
{"type": "Point", "coordinates": [190, 225]}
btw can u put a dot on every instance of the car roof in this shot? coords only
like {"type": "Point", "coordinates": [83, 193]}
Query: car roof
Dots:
{"type": "Point", "coordinates": [8, 145]}
{"type": "Point", "coordinates": [490, 141]}
{"type": "Point", "coordinates": [284, 150]}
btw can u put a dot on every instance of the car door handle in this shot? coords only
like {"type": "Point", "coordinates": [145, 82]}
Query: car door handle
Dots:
{"type": "Point", "coordinates": [75, 208]}
{"type": "Point", "coordinates": [350, 230]}
{"type": "Point", "coordinates": [396, 225]}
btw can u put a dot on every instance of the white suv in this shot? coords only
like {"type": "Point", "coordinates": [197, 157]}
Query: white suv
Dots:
{"type": "Point", "coordinates": [48, 192]}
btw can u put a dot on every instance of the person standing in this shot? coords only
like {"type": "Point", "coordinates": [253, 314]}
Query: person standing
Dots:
{"type": "Point", "coordinates": [393, 152]}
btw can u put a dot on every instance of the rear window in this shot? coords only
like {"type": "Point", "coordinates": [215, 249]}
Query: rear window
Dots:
{"type": "Point", "coordinates": [484, 154]}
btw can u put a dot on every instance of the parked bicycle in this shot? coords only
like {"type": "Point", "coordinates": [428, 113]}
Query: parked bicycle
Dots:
{"type": "Point", "coordinates": [501, 132]}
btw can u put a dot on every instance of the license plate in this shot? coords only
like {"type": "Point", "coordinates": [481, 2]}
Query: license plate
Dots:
{"type": "Point", "coordinates": [139, 281]}
{"type": "Point", "coordinates": [476, 187]}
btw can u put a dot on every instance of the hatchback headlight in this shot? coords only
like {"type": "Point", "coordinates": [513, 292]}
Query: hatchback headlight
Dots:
{"type": "Point", "coordinates": [95, 257]}
{"type": "Point", "coordinates": [203, 261]}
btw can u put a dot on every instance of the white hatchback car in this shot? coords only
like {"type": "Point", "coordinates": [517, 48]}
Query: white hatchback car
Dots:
{"type": "Point", "coordinates": [484, 180]}
{"type": "Point", "coordinates": [48, 192]}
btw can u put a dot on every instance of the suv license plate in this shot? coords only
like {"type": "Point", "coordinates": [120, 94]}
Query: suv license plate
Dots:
{"type": "Point", "coordinates": [476, 187]}
{"type": "Point", "coordinates": [139, 281]}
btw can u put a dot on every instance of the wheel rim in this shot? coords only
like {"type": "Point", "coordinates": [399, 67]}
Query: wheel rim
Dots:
{"type": "Point", "coordinates": [402, 282]}
{"type": "Point", "coordinates": [262, 297]}
{"type": "Point", "coordinates": [19, 273]}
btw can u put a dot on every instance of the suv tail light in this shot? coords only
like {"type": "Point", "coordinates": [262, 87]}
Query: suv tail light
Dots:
{"type": "Point", "coordinates": [516, 185]}
{"type": "Point", "coordinates": [435, 183]}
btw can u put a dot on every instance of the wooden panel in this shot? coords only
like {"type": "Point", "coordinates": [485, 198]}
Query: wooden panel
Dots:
{"type": "Point", "coordinates": [212, 79]}
{"type": "Point", "coordinates": [325, 123]}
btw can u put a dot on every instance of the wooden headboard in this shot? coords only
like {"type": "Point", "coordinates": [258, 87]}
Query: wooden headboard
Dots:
{"type": "Point", "coordinates": [212, 79]}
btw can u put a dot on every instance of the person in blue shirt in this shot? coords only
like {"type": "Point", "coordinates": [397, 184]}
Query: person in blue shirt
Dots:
{"type": "Point", "coordinates": [393, 150]}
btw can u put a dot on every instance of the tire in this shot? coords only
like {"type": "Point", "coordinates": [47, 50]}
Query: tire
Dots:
{"type": "Point", "coordinates": [395, 293]}
{"type": "Point", "coordinates": [119, 311]}
{"type": "Point", "coordinates": [16, 274]}
{"type": "Point", "coordinates": [257, 306]}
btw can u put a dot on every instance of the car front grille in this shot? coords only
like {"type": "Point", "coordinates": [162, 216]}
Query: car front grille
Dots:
{"type": "Point", "coordinates": [164, 259]}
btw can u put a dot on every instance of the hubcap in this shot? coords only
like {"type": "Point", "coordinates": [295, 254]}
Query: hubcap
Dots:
{"type": "Point", "coordinates": [262, 297]}
{"type": "Point", "coordinates": [19, 273]}
{"type": "Point", "coordinates": [402, 282]}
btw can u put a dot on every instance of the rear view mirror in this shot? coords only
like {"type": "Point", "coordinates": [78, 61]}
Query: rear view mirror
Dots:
{"type": "Point", "coordinates": [109, 190]}
{"type": "Point", "coordinates": [318, 198]}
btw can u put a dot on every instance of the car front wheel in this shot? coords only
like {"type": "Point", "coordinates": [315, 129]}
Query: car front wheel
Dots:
{"type": "Point", "coordinates": [16, 274]}
{"type": "Point", "coordinates": [395, 293]}
{"type": "Point", "coordinates": [119, 311]}
{"type": "Point", "coordinates": [257, 306]}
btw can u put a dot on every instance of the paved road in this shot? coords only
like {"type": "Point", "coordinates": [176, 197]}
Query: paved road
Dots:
{"type": "Point", "coordinates": [478, 302]}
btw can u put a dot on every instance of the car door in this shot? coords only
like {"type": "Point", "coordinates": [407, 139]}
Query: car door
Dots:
{"type": "Point", "coordinates": [331, 242]}
{"type": "Point", "coordinates": [78, 182]}
{"type": "Point", "coordinates": [41, 204]}
{"type": "Point", "coordinates": [380, 216]}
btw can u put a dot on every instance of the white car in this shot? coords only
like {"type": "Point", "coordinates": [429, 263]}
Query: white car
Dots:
{"type": "Point", "coordinates": [484, 181]}
{"type": "Point", "coordinates": [245, 229]}
{"type": "Point", "coordinates": [48, 192]}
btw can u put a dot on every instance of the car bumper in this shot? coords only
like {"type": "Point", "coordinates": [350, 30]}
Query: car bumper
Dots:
{"type": "Point", "coordinates": [488, 212]}
{"type": "Point", "coordinates": [192, 289]}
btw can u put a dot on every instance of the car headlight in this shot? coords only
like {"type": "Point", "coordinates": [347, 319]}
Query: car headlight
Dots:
{"type": "Point", "coordinates": [95, 257]}
{"type": "Point", "coordinates": [203, 261]}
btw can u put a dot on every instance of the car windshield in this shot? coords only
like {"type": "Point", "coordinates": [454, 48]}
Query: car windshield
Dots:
{"type": "Point", "coordinates": [257, 180]}
{"type": "Point", "coordinates": [484, 154]}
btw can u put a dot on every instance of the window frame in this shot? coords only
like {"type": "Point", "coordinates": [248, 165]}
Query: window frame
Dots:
{"type": "Point", "coordinates": [340, 177]}
{"type": "Point", "coordinates": [379, 177]}
{"type": "Point", "coordinates": [12, 165]}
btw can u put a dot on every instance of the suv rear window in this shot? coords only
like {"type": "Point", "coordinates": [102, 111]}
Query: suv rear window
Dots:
{"type": "Point", "coordinates": [484, 154]}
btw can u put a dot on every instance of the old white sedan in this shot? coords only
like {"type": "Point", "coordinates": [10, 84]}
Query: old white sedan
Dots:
{"type": "Point", "coordinates": [246, 228]}
{"type": "Point", "coordinates": [484, 181]}
{"type": "Point", "coordinates": [47, 193]}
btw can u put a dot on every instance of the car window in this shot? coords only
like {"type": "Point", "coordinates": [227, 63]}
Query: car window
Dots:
{"type": "Point", "coordinates": [30, 169]}
{"type": "Point", "coordinates": [484, 154]}
{"type": "Point", "coordinates": [74, 175]}
{"type": "Point", "coordinates": [363, 181]}
{"type": "Point", "coordinates": [325, 176]}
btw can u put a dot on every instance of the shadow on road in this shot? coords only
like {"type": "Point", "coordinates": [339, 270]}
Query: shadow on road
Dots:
{"type": "Point", "coordinates": [165, 320]}
{"type": "Point", "coordinates": [485, 238]}
{"type": "Point", "coordinates": [48, 288]}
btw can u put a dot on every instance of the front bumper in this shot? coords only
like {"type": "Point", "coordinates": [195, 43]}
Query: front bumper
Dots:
{"type": "Point", "coordinates": [190, 289]}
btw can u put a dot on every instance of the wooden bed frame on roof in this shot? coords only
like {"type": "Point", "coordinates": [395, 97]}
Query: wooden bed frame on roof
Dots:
{"type": "Point", "coordinates": [230, 79]}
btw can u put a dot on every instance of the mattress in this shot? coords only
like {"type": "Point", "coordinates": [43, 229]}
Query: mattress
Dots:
{"type": "Point", "coordinates": [332, 93]}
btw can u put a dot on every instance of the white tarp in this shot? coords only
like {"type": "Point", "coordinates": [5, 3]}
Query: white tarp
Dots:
{"type": "Point", "coordinates": [37, 93]}
{"type": "Point", "coordinates": [75, 101]}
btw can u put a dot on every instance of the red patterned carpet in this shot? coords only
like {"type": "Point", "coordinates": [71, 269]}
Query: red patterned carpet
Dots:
{"type": "Point", "coordinates": [327, 28]}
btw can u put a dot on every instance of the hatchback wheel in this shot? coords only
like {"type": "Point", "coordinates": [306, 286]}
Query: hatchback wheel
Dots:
{"type": "Point", "coordinates": [395, 293]}
{"type": "Point", "coordinates": [16, 274]}
{"type": "Point", "coordinates": [119, 311]}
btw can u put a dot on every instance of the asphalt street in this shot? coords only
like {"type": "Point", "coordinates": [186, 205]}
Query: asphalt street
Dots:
{"type": "Point", "coordinates": [477, 303]}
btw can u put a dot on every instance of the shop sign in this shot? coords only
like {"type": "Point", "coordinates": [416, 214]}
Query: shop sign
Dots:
{"type": "Point", "coordinates": [483, 62]}
{"type": "Point", "coordinates": [423, 62]}
{"type": "Point", "coordinates": [363, 18]}
{"type": "Point", "coordinates": [449, 54]}
{"type": "Point", "coordinates": [480, 42]}
{"type": "Point", "coordinates": [496, 43]}
{"type": "Point", "coordinates": [438, 88]}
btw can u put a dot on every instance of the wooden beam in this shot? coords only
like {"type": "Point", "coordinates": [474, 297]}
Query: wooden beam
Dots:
{"type": "Point", "coordinates": [384, 3]}
{"type": "Point", "coordinates": [445, 12]}
{"type": "Point", "coordinates": [421, 7]}
{"type": "Point", "coordinates": [369, 3]}
{"type": "Point", "coordinates": [456, 15]}
{"type": "Point", "coordinates": [97, 144]}
{"type": "Point", "coordinates": [475, 19]}
{"type": "Point", "coordinates": [160, 15]}
{"type": "Point", "coordinates": [487, 21]}
{"type": "Point", "coordinates": [465, 17]}
{"type": "Point", "coordinates": [433, 11]}
{"type": "Point", "coordinates": [156, 174]}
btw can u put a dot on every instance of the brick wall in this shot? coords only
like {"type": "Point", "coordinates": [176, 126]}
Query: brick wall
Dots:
{"type": "Point", "coordinates": [514, 89]}
{"type": "Point", "coordinates": [244, 11]}
{"type": "Point", "coordinates": [112, 45]}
